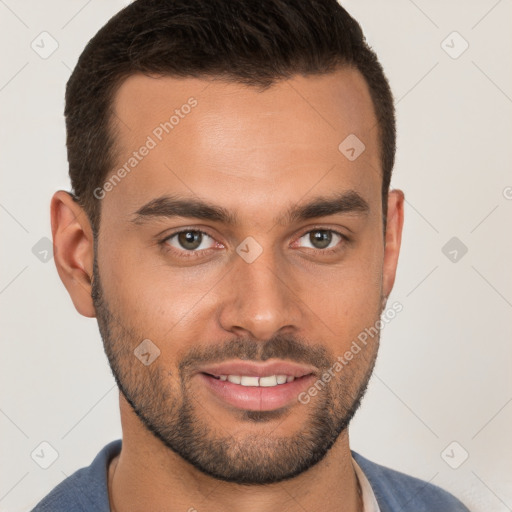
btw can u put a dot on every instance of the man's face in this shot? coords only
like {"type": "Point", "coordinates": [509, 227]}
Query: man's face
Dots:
{"type": "Point", "coordinates": [259, 287]}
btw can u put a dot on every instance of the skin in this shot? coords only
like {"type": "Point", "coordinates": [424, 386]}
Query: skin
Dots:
{"type": "Point", "coordinates": [255, 154]}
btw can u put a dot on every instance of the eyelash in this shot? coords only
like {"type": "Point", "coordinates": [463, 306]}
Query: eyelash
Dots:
{"type": "Point", "coordinates": [194, 254]}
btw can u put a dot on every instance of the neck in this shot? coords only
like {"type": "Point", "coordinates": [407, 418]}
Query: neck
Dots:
{"type": "Point", "coordinates": [146, 475]}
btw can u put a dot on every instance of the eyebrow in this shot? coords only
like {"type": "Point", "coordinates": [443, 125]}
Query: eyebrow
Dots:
{"type": "Point", "coordinates": [348, 202]}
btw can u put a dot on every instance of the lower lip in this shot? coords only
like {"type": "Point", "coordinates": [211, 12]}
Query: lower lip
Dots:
{"type": "Point", "coordinates": [256, 398]}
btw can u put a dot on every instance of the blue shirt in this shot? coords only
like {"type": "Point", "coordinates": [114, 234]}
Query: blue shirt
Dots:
{"type": "Point", "coordinates": [86, 489]}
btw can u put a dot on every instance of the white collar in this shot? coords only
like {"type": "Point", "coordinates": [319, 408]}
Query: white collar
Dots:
{"type": "Point", "coordinates": [369, 501]}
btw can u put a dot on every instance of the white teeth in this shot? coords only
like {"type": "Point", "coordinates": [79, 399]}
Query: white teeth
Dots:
{"type": "Point", "coordinates": [252, 381]}
{"type": "Point", "coordinates": [249, 381]}
{"type": "Point", "coordinates": [269, 381]}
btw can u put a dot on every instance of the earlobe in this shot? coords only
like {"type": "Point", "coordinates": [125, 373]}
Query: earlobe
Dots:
{"type": "Point", "coordinates": [74, 250]}
{"type": "Point", "coordinates": [394, 225]}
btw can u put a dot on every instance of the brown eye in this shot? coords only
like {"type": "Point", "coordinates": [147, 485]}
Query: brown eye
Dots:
{"type": "Point", "coordinates": [320, 239]}
{"type": "Point", "coordinates": [190, 240]}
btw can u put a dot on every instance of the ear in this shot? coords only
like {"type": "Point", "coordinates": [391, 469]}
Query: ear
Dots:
{"type": "Point", "coordinates": [73, 250]}
{"type": "Point", "coordinates": [394, 225]}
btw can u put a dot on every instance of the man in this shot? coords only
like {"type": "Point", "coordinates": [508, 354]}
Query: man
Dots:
{"type": "Point", "coordinates": [232, 230]}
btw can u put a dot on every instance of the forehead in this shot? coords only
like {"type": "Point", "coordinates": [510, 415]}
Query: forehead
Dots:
{"type": "Point", "coordinates": [238, 145]}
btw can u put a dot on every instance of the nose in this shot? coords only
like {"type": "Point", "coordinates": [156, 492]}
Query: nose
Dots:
{"type": "Point", "coordinates": [260, 298]}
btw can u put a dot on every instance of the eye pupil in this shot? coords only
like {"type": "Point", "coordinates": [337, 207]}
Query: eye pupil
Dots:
{"type": "Point", "coordinates": [190, 239]}
{"type": "Point", "coordinates": [320, 238]}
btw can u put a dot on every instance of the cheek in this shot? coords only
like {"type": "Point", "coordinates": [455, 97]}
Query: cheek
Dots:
{"type": "Point", "coordinates": [347, 299]}
{"type": "Point", "coordinates": [348, 306]}
{"type": "Point", "coordinates": [161, 301]}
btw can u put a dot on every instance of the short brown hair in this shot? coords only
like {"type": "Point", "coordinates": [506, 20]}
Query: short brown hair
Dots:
{"type": "Point", "coordinates": [254, 42]}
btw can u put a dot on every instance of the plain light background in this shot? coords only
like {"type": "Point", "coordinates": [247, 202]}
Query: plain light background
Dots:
{"type": "Point", "coordinates": [443, 373]}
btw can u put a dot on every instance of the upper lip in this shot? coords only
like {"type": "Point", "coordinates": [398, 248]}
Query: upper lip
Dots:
{"type": "Point", "coordinates": [253, 369]}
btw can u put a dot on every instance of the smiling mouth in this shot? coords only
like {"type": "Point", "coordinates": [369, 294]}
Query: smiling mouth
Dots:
{"type": "Point", "coordinates": [250, 387]}
{"type": "Point", "coordinates": [267, 381]}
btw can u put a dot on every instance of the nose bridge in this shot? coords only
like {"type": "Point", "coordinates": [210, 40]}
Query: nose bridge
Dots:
{"type": "Point", "coordinates": [260, 299]}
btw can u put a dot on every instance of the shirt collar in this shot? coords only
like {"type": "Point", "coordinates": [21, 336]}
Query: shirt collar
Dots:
{"type": "Point", "coordinates": [369, 501]}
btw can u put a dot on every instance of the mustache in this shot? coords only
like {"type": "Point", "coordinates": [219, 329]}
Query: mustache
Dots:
{"type": "Point", "coordinates": [281, 346]}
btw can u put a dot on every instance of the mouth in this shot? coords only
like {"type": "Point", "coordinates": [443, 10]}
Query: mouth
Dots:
{"type": "Point", "coordinates": [256, 387]}
{"type": "Point", "coordinates": [267, 381]}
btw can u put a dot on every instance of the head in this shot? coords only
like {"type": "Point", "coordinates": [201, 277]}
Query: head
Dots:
{"type": "Point", "coordinates": [230, 165]}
